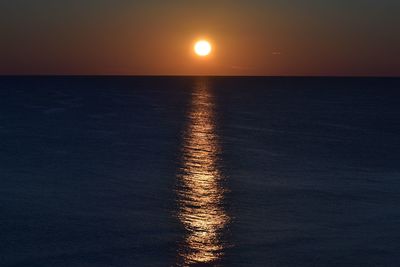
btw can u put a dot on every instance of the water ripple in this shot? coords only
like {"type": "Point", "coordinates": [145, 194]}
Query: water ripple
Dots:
{"type": "Point", "coordinates": [200, 192]}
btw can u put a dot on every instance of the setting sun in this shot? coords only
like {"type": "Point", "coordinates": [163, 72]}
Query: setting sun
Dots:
{"type": "Point", "coordinates": [202, 48]}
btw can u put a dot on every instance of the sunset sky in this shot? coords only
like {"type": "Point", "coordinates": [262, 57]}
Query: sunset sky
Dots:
{"type": "Point", "coordinates": [154, 37]}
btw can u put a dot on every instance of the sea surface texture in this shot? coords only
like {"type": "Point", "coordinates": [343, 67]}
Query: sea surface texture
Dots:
{"type": "Point", "coordinates": [199, 171]}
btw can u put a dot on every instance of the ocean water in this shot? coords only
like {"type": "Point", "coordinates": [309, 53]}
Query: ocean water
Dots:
{"type": "Point", "coordinates": [199, 171]}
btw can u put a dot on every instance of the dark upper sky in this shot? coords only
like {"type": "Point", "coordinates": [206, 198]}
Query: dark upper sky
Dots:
{"type": "Point", "coordinates": [309, 37]}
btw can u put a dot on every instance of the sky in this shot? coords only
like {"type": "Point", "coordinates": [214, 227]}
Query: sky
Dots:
{"type": "Point", "coordinates": [155, 37]}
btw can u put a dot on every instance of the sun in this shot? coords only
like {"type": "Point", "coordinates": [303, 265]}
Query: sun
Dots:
{"type": "Point", "coordinates": [202, 48]}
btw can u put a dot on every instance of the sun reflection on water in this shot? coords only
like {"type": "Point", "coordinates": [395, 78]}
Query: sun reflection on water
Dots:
{"type": "Point", "coordinates": [200, 192]}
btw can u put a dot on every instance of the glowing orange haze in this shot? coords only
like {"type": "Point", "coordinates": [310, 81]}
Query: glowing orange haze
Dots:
{"type": "Point", "coordinates": [157, 39]}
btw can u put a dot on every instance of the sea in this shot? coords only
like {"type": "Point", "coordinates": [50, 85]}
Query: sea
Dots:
{"type": "Point", "coordinates": [199, 171]}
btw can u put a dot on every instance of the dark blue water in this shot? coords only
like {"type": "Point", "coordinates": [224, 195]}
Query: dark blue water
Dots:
{"type": "Point", "coordinates": [187, 171]}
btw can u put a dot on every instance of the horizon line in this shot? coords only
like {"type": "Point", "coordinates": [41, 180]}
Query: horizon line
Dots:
{"type": "Point", "coordinates": [199, 75]}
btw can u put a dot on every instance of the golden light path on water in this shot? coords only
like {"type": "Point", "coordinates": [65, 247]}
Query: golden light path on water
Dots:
{"type": "Point", "coordinates": [200, 192]}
